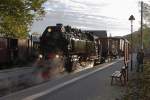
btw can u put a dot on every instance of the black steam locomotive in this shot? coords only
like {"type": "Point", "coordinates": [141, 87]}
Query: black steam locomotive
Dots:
{"type": "Point", "coordinates": [65, 47]}
{"type": "Point", "coordinates": [70, 45]}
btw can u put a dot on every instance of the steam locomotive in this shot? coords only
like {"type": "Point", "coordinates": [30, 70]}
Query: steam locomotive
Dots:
{"type": "Point", "coordinates": [70, 44]}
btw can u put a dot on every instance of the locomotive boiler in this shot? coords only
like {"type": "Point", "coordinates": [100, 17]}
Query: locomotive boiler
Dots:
{"type": "Point", "coordinates": [71, 46]}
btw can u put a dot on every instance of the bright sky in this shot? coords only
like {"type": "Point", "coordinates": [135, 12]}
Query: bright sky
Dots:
{"type": "Point", "coordinates": [110, 15]}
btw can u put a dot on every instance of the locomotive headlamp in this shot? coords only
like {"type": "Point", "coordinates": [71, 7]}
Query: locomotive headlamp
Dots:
{"type": "Point", "coordinates": [57, 56]}
{"type": "Point", "coordinates": [49, 30]}
{"type": "Point", "coordinates": [40, 56]}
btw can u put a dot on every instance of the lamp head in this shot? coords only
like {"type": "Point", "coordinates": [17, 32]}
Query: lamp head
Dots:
{"type": "Point", "coordinates": [131, 18]}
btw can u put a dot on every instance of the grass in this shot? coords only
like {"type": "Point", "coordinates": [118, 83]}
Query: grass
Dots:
{"type": "Point", "coordinates": [138, 87]}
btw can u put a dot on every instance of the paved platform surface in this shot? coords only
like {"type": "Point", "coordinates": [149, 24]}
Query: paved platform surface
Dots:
{"type": "Point", "coordinates": [93, 87]}
{"type": "Point", "coordinates": [90, 84]}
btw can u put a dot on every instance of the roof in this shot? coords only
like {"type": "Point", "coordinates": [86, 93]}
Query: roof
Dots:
{"type": "Point", "coordinates": [36, 38]}
{"type": "Point", "coordinates": [99, 33]}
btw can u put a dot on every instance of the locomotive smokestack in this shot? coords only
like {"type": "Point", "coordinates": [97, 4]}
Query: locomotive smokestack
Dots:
{"type": "Point", "coordinates": [59, 24]}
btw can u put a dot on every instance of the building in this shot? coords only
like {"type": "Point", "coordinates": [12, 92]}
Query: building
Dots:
{"type": "Point", "coordinates": [98, 33]}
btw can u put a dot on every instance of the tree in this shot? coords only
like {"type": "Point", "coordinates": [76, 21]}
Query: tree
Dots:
{"type": "Point", "coordinates": [16, 16]}
{"type": "Point", "coordinates": [146, 12]}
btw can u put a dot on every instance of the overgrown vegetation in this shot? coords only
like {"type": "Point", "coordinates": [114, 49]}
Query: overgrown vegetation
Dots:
{"type": "Point", "coordinates": [137, 36]}
{"type": "Point", "coordinates": [139, 86]}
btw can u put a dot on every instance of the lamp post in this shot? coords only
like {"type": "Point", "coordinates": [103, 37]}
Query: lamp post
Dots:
{"type": "Point", "coordinates": [131, 18]}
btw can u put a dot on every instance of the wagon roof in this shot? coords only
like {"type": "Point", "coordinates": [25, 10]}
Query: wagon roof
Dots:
{"type": "Point", "coordinates": [99, 33]}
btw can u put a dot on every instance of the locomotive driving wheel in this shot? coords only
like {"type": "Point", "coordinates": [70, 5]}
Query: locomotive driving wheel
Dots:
{"type": "Point", "coordinates": [68, 64]}
{"type": "Point", "coordinates": [71, 64]}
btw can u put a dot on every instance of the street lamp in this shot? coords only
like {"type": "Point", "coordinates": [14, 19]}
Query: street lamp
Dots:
{"type": "Point", "coordinates": [131, 18]}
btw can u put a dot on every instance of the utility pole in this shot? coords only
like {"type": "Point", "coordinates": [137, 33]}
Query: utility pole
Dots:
{"type": "Point", "coordinates": [141, 40]}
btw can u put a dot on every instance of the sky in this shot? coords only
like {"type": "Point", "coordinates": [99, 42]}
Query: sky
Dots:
{"type": "Point", "coordinates": [110, 15]}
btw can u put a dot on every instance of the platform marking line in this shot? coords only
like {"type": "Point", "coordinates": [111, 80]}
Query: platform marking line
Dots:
{"type": "Point", "coordinates": [35, 96]}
